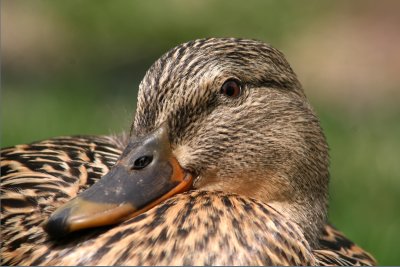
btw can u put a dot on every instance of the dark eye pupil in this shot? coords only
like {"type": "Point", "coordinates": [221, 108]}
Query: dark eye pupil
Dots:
{"type": "Point", "coordinates": [230, 91]}
{"type": "Point", "coordinates": [231, 88]}
{"type": "Point", "coordinates": [142, 162]}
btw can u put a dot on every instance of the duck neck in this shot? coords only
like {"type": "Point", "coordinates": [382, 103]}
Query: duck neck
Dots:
{"type": "Point", "coordinates": [302, 198]}
{"type": "Point", "coordinates": [310, 216]}
{"type": "Point", "coordinates": [303, 205]}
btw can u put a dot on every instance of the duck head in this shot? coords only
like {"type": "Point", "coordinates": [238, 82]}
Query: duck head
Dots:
{"type": "Point", "coordinates": [215, 114]}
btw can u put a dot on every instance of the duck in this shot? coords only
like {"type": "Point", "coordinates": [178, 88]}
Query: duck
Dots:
{"type": "Point", "coordinates": [225, 163]}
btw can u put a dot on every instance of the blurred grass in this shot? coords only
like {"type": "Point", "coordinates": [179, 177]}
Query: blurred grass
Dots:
{"type": "Point", "coordinates": [79, 66]}
{"type": "Point", "coordinates": [38, 113]}
{"type": "Point", "coordinates": [365, 182]}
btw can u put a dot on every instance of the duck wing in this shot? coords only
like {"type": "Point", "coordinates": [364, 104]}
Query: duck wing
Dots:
{"type": "Point", "coordinates": [337, 249]}
{"type": "Point", "coordinates": [37, 178]}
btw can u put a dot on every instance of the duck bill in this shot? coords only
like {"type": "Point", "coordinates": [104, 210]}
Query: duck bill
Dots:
{"type": "Point", "coordinates": [146, 174]}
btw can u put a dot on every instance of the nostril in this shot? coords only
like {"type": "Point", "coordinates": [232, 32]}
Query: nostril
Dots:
{"type": "Point", "coordinates": [142, 162]}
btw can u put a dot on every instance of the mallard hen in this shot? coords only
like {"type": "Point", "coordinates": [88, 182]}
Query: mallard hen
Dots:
{"type": "Point", "coordinates": [224, 118]}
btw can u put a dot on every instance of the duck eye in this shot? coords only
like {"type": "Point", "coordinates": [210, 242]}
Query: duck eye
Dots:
{"type": "Point", "coordinates": [231, 88]}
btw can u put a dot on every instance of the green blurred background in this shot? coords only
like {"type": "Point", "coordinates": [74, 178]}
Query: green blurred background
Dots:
{"type": "Point", "coordinates": [73, 67]}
